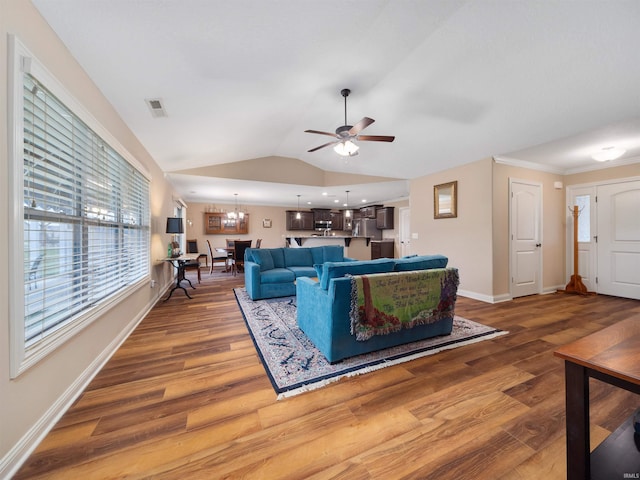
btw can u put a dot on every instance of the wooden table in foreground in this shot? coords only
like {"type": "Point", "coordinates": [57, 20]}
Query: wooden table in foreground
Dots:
{"type": "Point", "coordinates": [611, 355]}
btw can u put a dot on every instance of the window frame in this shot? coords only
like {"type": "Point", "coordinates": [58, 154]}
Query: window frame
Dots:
{"type": "Point", "coordinates": [21, 61]}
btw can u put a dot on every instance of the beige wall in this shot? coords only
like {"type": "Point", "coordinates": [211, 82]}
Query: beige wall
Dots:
{"type": "Point", "coordinates": [467, 239]}
{"type": "Point", "coordinates": [477, 241]}
{"type": "Point", "coordinates": [271, 237]}
{"type": "Point", "coordinates": [595, 176]}
{"type": "Point", "coordinates": [553, 227]}
{"type": "Point", "coordinates": [32, 402]}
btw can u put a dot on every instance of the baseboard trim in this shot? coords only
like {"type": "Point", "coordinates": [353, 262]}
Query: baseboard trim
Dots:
{"type": "Point", "coordinates": [504, 297]}
{"type": "Point", "coordinates": [485, 298]}
{"type": "Point", "coordinates": [20, 452]}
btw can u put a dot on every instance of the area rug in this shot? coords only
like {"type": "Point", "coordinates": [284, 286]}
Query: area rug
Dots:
{"type": "Point", "coordinates": [294, 365]}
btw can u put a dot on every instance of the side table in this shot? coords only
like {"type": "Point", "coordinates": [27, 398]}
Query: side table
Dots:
{"type": "Point", "coordinates": [611, 355]}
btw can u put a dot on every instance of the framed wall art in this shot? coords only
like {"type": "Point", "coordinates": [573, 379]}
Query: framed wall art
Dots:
{"type": "Point", "coordinates": [445, 200]}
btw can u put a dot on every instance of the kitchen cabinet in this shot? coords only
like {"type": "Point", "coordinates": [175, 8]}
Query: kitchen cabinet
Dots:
{"type": "Point", "coordinates": [337, 222]}
{"type": "Point", "coordinates": [321, 214]}
{"type": "Point", "coordinates": [218, 223]}
{"type": "Point", "coordinates": [305, 222]}
{"type": "Point", "coordinates": [382, 249]}
{"type": "Point", "coordinates": [384, 218]}
{"type": "Point", "coordinates": [368, 212]}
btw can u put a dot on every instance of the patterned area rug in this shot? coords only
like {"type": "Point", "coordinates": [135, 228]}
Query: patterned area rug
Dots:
{"type": "Point", "coordinates": [295, 365]}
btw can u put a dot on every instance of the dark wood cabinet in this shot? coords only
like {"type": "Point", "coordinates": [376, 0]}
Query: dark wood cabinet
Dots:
{"type": "Point", "coordinates": [337, 222]}
{"type": "Point", "coordinates": [218, 223]}
{"type": "Point", "coordinates": [384, 218]}
{"type": "Point", "coordinates": [368, 212]}
{"type": "Point", "coordinates": [321, 214]}
{"type": "Point", "coordinates": [382, 249]}
{"type": "Point", "coordinates": [305, 222]}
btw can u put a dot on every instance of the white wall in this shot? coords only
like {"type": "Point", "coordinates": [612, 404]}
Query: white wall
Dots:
{"type": "Point", "coordinates": [33, 401]}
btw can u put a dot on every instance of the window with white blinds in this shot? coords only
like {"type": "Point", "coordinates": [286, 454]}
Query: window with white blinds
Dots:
{"type": "Point", "coordinates": [86, 217]}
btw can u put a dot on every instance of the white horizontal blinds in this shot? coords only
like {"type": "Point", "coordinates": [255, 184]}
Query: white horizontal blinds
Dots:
{"type": "Point", "coordinates": [86, 216]}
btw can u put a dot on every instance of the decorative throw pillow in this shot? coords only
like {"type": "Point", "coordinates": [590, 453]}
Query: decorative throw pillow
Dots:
{"type": "Point", "coordinates": [297, 257]}
{"type": "Point", "coordinates": [277, 254]}
{"type": "Point", "coordinates": [359, 267]}
{"type": "Point", "coordinates": [421, 262]}
{"type": "Point", "coordinates": [263, 258]}
{"type": "Point", "coordinates": [333, 253]}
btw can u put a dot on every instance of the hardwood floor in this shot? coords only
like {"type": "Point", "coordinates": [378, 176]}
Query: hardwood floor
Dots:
{"type": "Point", "coordinates": [187, 397]}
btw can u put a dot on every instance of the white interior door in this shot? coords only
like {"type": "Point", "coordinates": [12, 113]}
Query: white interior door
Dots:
{"type": "Point", "coordinates": [404, 225]}
{"type": "Point", "coordinates": [619, 239]}
{"type": "Point", "coordinates": [526, 238]}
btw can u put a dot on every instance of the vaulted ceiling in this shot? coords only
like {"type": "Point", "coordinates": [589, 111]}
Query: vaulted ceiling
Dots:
{"type": "Point", "coordinates": [548, 83]}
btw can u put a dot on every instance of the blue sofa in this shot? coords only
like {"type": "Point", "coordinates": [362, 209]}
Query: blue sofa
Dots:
{"type": "Point", "coordinates": [324, 306]}
{"type": "Point", "coordinates": [272, 272]}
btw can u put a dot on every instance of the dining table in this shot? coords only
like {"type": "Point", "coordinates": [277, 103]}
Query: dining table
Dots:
{"type": "Point", "coordinates": [228, 253]}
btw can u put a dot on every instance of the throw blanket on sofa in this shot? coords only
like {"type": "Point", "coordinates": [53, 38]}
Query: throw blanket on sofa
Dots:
{"type": "Point", "coordinates": [386, 303]}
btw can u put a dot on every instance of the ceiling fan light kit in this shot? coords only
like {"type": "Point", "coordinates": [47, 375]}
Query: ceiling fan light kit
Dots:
{"type": "Point", "coordinates": [346, 134]}
{"type": "Point", "coordinates": [346, 149]}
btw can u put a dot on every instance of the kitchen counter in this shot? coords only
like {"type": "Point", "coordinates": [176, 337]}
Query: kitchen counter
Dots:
{"type": "Point", "coordinates": [319, 240]}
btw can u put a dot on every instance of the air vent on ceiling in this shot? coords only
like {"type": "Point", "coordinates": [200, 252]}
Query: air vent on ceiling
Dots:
{"type": "Point", "coordinates": [156, 107]}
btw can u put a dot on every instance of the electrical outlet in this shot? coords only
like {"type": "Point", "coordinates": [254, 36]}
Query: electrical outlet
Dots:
{"type": "Point", "coordinates": [414, 236]}
{"type": "Point", "coordinates": [153, 284]}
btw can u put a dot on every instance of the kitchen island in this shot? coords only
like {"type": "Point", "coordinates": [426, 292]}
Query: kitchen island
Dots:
{"type": "Point", "coordinates": [354, 247]}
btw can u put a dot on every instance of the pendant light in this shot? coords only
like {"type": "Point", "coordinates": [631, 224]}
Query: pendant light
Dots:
{"type": "Point", "coordinates": [298, 215]}
{"type": "Point", "coordinates": [347, 212]}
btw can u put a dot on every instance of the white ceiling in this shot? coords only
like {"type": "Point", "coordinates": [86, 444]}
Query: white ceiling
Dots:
{"type": "Point", "coordinates": [544, 82]}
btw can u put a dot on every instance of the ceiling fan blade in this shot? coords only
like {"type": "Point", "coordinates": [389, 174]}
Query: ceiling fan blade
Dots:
{"type": "Point", "coordinates": [322, 146]}
{"type": "Point", "coordinates": [376, 138]}
{"type": "Point", "coordinates": [361, 125]}
{"type": "Point", "coordinates": [321, 133]}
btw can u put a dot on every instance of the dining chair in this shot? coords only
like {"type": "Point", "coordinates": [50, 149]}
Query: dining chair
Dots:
{"type": "Point", "coordinates": [238, 255]}
{"type": "Point", "coordinates": [193, 264]}
{"type": "Point", "coordinates": [192, 247]}
{"type": "Point", "coordinates": [217, 257]}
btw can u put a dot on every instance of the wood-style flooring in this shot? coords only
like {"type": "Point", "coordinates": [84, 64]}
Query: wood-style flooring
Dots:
{"type": "Point", "coordinates": [186, 397]}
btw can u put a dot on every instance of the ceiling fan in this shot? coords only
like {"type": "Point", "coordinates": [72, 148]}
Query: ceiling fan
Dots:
{"type": "Point", "coordinates": [346, 134]}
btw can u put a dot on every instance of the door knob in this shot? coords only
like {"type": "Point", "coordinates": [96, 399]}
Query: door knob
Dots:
{"type": "Point", "coordinates": [538, 244]}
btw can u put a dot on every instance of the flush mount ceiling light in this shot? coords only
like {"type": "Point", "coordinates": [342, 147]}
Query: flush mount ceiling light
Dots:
{"type": "Point", "coordinates": [608, 153]}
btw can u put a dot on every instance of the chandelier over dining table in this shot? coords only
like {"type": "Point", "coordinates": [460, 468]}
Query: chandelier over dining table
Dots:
{"type": "Point", "coordinates": [236, 214]}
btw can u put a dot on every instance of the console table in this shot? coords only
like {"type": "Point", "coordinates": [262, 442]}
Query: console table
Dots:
{"type": "Point", "coordinates": [180, 263]}
{"type": "Point", "coordinates": [611, 355]}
